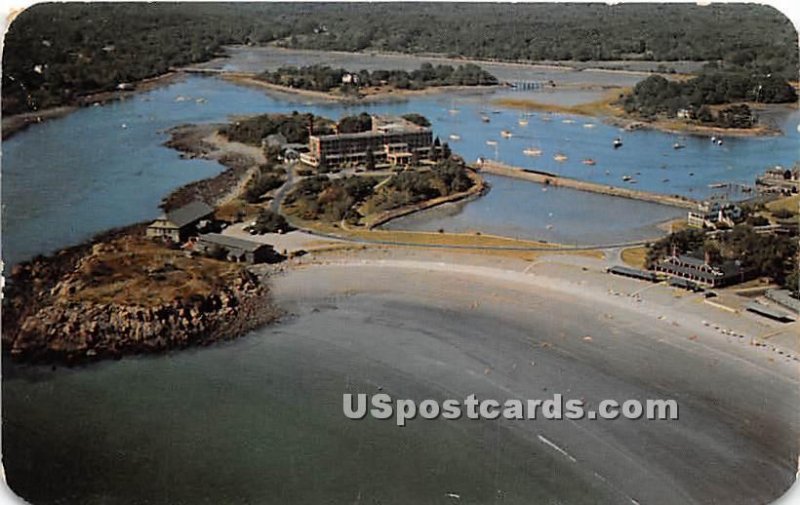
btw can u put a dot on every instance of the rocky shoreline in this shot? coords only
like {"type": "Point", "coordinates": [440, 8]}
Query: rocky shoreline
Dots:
{"type": "Point", "coordinates": [48, 319]}
{"type": "Point", "coordinates": [45, 320]}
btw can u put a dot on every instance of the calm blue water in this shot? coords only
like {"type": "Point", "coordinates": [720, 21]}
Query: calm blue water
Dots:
{"type": "Point", "coordinates": [68, 179]}
{"type": "Point", "coordinates": [525, 210]}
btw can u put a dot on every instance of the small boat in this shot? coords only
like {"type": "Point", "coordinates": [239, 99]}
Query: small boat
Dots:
{"type": "Point", "coordinates": [691, 174]}
{"type": "Point", "coordinates": [567, 121]}
{"type": "Point", "coordinates": [532, 151]}
{"type": "Point", "coordinates": [589, 125]}
{"type": "Point", "coordinates": [626, 178]}
{"type": "Point", "coordinates": [506, 134]}
{"type": "Point", "coordinates": [546, 118]}
{"type": "Point", "coordinates": [608, 172]}
{"type": "Point", "coordinates": [718, 185]}
{"type": "Point", "coordinates": [549, 226]}
{"type": "Point", "coordinates": [589, 161]}
{"type": "Point", "coordinates": [485, 118]}
{"type": "Point", "coordinates": [678, 145]}
{"type": "Point", "coordinates": [453, 111]}
{"type": "Point", "coordinates": [523, 122]}
{"type": "Point", "coordinates": [560, 157]}
{"type": "Point", "coordinates": [617, 143]}
{"type": "Point", "coordinates": [713, 140]}
{"type": "Point", "coordinates": [719, 142]}
{"type": "Point", "coordinates": [201, 100]}
{"type": "Point", "coordinates": [665, 180]}
{"type": "Point", "coordinates": [455, 137]}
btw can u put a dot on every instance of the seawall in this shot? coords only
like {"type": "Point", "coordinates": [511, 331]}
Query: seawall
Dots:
{"type": "Point", "coordinates": [496, 168]}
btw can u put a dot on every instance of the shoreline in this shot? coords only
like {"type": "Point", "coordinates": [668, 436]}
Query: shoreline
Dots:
{"type": "Point", "coordinates": [19, 122]}
{"type": "Point", "coordinates": [611, 114]}
{"type": "Point", "coordinates": [248, 79]}
{"type": "Point", "coordinates": [49, 318]}
{"type": "Point", "coordinates": [478, 188]}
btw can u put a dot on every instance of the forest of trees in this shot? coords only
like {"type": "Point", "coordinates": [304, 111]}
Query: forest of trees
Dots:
{"type": "Point", "coordinates": [324, 78]}
{"type": "Point", "coordinates": [57, 52]}
{"type": "Point", "coordinates": [656, 95]}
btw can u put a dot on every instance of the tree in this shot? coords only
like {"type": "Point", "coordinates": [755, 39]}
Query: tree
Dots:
{"type": "Point", "coordinates": [355, 124]}
{"type": "Point", "coordinates": [369, 160]}
{"type": "Point", "coordinates": [446, 152]}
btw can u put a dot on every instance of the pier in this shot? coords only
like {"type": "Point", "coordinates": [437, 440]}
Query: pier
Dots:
{"type": "Point", "coordinates": [497, 168]}
{"type": "Point", "coordinates": [529, 85]}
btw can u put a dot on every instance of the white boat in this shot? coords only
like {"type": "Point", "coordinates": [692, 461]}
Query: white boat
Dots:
{"type": "Point", "coordinates": [455, 137]}
{"type": "Point", "coordinates": [560, 157]}
{"type": "Point", "coordinates": [506, 134]}
{"type": "Point", "coordinates": [523, 122]}
{"type": "Point", "coordinates": [567, 121]}
{"type": "Point", "coordinates": [617, 143]}
{"type": "Point", "coordinates": [532, 151]}
{"type": "Point", "coordinates": [589, 125]}
{"type": "Point", "coordinates": [589, 161]}
{"type": "Point", "coordinates": [678, 145]}
{"type": "Point", "coordinates": [719, 142]}
{"type": "Point", "coordinates": [626, 178]}
{"type": "Point", "coordinates": [453, 111]}
{"type": "Point", "coordinates": [485, 118]}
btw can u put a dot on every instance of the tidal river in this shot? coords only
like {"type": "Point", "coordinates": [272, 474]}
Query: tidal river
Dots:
{"type": "Point", "coordinates": [259, 420]}
{"type": "Point", "coordinates": [102, 167]}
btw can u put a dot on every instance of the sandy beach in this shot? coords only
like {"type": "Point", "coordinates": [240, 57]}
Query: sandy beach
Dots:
{"type": "Point", "coordinates": [451, 325]}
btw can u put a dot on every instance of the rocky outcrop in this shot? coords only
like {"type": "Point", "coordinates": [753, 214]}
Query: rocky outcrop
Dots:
{"type": "Point", "coordinates": [76, 331]}
{"type": "Point", "coordinates": [46, 318]}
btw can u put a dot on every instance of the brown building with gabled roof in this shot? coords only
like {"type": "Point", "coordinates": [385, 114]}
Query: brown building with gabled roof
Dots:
{"type": "Point", "coordinates": [179, 224]}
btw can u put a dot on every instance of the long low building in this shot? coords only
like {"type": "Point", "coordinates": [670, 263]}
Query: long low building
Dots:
{"type": "Point", "coordinates": [700, 271]}
{"type": "Point", "coordinates": [392, 140]}
{"type": "Point", "coordinates": [235, 249]}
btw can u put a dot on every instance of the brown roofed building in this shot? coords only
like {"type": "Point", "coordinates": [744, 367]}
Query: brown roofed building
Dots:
{"type": "Point", "coordinates": [392, 140]}
{"type": "Point", "coordinates": [179, 224]}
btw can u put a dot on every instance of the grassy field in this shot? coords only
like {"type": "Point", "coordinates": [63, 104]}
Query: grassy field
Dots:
{"type": "Point", "coordinates": [635, 256]}
{"type": "Point", "coordinates": [791, 203]}
{"type": "Point", "coordinates": [134, 270]}
{"type": "Point", "coordinates": [459, 242]}
{"type": "Point", "coordinates": [602, 107]}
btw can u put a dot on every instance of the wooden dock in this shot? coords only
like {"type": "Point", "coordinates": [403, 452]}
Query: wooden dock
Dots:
{"type": "Point", "coordinates": [497, 168]}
